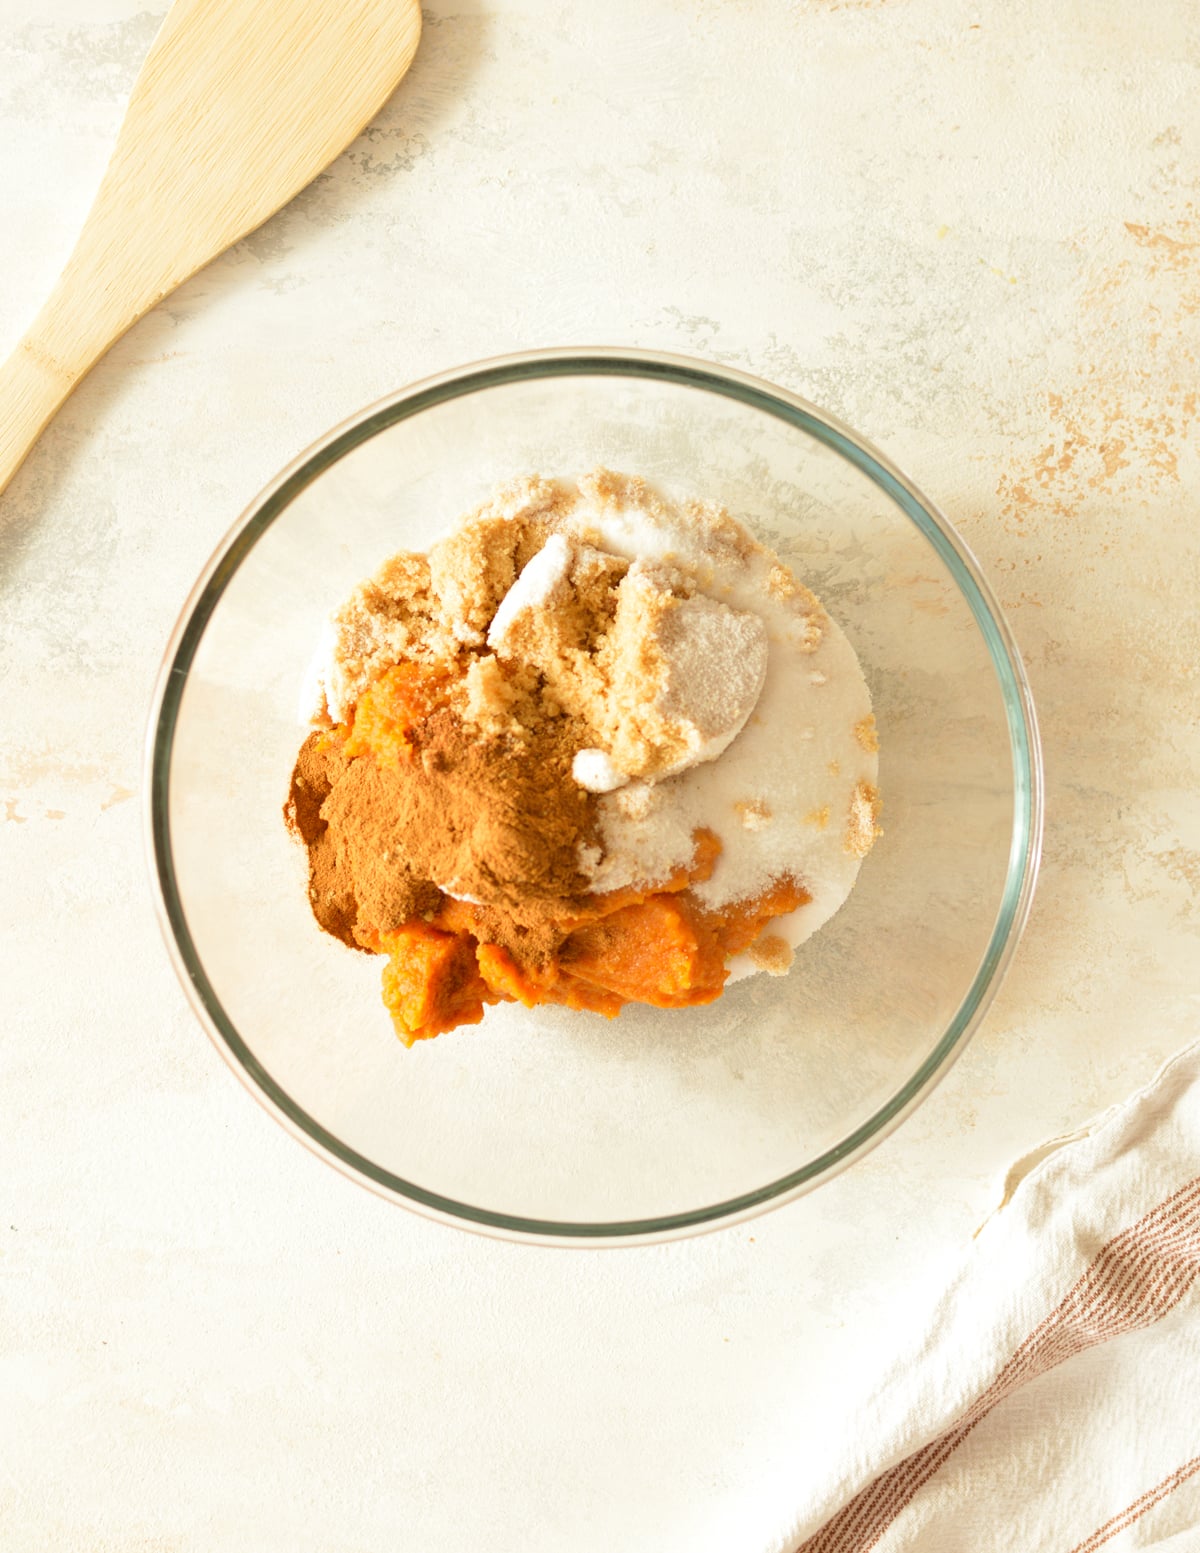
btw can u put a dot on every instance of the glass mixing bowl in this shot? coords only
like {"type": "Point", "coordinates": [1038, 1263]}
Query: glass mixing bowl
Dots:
{"type": "Point", "coordinates": [551, 1125]}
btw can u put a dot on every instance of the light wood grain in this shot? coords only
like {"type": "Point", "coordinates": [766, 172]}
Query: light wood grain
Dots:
{"type": "Point", "coordinates": [239, 104]}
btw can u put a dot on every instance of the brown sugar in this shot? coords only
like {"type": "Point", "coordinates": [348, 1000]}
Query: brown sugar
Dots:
{"type": "Point", "coordinates": [753, 813]}
{"type": "Point", "coordinates": [472, 569]}
{"type": "Point", "coordinates": [391, 617]}
{"type": "Point", "coordinates": [862, 822]}
{"type": "Point", "coordinates": [772, 954]}
{"type": "Point", "coordinates": [865, 733]}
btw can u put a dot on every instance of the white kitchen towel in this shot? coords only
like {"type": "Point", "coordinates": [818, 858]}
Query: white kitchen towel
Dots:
{"type": "Point", "coordinates": [1051, 1398]}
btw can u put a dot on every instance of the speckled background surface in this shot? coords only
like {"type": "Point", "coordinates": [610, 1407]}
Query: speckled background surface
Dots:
{"type": "Point", "coordinates": [973, 230]}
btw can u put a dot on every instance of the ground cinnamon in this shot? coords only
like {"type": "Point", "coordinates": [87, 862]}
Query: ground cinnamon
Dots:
{"type": "Point", "coordinates": [496, 821]}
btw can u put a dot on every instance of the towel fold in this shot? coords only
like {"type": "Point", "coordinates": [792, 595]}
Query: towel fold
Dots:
{"type": "Point", "coordinates": [1051, 1398]}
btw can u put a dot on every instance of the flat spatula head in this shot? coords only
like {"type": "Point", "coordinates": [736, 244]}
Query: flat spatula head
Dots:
{"type": "Point", "coordinates": [240, 104]}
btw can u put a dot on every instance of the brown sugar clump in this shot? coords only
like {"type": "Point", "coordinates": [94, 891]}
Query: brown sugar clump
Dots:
{"type": "Point", "coordinates": [493, 698]}
{"type": "Point", "coordinates": [865, 733]}
{"type": "Point", "coordinates": [629, 720]}
{"type": "Point", "coordinates": [630, 654]}
{"type": "Point", "coordinates": [862, 824]}
{"type": "Point", "coordinates": [783, 585]}
{"type": "Point", "coordinates": [607, 488]}
{"type": "Point", "coordinates": [472, 569]}
{"type": "Point", "coordinates": [392, 616]}
{"type": "Point", "coordinates": [648, 669]}
{"type": "Point", "coordinates": [772, 954]}
{"type": "Point", "coordinates": [432, 609]}
{"type": "Point", "coordinates": [557, 633]}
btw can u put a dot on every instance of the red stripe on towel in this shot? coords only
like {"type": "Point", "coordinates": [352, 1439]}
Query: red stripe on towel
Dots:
{"type": "Point", "coordinates": [1139, 1507]}
{"type": "Point", "coordinates": [1139, 1276]}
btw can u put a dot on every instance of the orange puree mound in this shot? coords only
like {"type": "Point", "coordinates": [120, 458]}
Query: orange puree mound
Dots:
{"type": "Point", "coordinates": [531, 985]}
{"type": "Point", "coordinates": [431, 982]}
{"type": "Point", "coordinates": [659, 952]}
{"type": "Point", "coordinates": [661, 948]}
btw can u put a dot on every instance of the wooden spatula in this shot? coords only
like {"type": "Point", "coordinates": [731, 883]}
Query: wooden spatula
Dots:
{"type": "Point", "coordinates": [240, 103]}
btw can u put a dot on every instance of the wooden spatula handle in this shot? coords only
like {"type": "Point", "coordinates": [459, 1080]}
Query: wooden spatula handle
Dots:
{"type": "Point", "coordinates": [112, 279]}
{"type": "Point", "coordinates": [73, 330]}
{"type": "Point", "coordinates": [30, 392]}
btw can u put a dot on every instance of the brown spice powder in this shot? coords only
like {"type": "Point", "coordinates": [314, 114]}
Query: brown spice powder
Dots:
{"type": "Point", "coordinates": [497, 821]}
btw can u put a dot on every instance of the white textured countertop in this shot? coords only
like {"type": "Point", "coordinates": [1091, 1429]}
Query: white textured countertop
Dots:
{"type": "Point", "coordinates": [972, 230]}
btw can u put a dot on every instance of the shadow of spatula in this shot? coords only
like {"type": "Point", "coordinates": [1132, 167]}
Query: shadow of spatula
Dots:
{"type": "Point", "coordinates": [240, 104]}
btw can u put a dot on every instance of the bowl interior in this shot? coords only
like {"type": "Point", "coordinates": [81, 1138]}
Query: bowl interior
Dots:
{"type": "Point", "coordinates": [549, 1121]}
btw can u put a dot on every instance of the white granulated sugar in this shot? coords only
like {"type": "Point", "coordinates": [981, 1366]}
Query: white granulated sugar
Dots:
{"type": "Point", "coordinates": [595, 772]}
{"type": "Point", "coordinates": [637, 800]}
{"type": "Point", "coordinates": [796, 756]}
{"type": "Point", "coordinates": [317, 688]}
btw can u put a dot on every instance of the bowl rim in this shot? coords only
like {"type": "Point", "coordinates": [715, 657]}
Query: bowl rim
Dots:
{"type": "Point", "coordinates": [683, 371]}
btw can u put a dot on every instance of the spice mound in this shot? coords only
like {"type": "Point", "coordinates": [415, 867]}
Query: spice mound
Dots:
{"type": "Point", "coordinates": [595, 748]}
